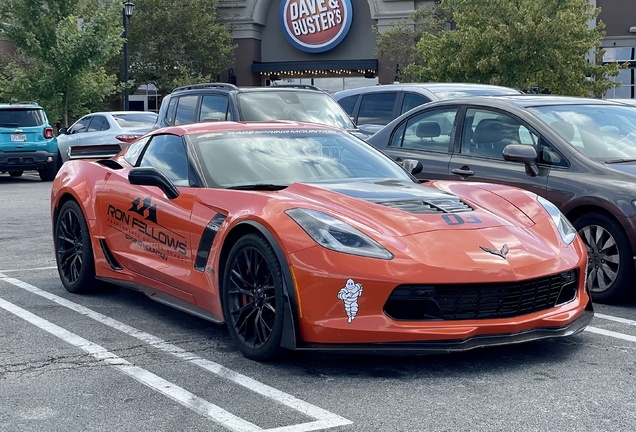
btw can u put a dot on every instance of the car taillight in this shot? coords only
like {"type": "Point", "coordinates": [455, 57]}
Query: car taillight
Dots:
{"type": "Point", "coordinates": [128, 138]}
{"type": "Point", "coordinates": [48, 133]}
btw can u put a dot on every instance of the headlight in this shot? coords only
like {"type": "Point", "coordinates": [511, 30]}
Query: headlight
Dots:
{"type": "Point", "coordinates": [336, 235]}
{"type": "Point", "coordinates": [564, 226]}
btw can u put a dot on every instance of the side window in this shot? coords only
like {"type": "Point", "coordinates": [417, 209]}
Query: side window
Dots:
{"type": "Point", "coordinates": [169, 118]}
{"type": "Point", "coordinates": [376, 108]}
{"type": "Point", "coordinates": [186, 110]}
{"type": "Point", "coordinates": [398, 135]}
{"type": "Point", "coordinates": [487, 133]}
{"type": "Point", "coordinates": [80, 126]}
{"type": "Point", "coordinates": [550, 156]}
{"type": "Point", "coordinates": [167, 154]}
{"type": "Point", "coordinates": [134, 150]}
{"type": "Point", "coordinates": [99, 123]}
{"type": "Point", "coordinates": [348, 103]}
{"type": "Point", "coordinates": [213, 108]}
{"type": "Point", "coordinates": [430, 131]}
{"type": "Point", "coordinates": [411, 100]}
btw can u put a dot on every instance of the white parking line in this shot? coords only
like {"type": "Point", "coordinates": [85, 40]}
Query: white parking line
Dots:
{"type": "Point", "coordinates": [27, 269]}
{"type": "Point", "coordinates": [610, 333]}
{"type": "Point", "coordinates": [149, 379]}
{"type": "Point", "coordinates": [324, 418]}
{"type": "Point", "coordinates": [615, 319]}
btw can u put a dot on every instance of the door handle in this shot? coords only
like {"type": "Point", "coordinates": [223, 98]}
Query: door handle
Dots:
{"type": "Point", "coordinates": [463, 172]}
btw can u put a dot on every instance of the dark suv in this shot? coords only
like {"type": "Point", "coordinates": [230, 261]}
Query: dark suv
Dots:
{"type": "Point", "coordinates": [27, 141]}
{"type": "Point", "coordinates": [219, 101]}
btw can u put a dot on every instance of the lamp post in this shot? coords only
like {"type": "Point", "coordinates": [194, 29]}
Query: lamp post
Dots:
{"type": "Point", "coordinates": [126, 14]}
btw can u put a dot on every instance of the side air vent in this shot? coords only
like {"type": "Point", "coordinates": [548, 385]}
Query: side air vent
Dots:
{"type": "Point", "coordinates": [437, 205]}
{"type": "Point", "coordinates": [110, 259]}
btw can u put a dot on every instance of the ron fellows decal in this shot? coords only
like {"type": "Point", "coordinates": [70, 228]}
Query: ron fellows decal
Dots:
{"type": "Point", "coordinates": [349, 295]}
{"type": "Point", "coordinates": [501, 253]}
{"type": "Point", "coordinates": [139, 226]}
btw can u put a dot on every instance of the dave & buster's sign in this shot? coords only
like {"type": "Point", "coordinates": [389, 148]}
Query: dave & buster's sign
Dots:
{"type": "Point", "coordinates": [315, 25]}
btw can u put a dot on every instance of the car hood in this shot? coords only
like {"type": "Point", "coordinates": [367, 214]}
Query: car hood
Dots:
{"type": "Point", "coordinates": [626, 167]}
{"type": "Point", "coordinates": [401, 208]}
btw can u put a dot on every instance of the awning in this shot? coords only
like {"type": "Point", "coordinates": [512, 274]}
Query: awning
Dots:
{"type": "Point", "coordinates": [317, 68]}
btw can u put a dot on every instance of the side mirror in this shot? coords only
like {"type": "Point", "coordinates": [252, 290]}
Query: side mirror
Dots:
{"type": "Point", "coordinates": [412, 166]}
{"type": "Point", "coordinates": [62, 131]}
{"type": "Point", "coordinates": [525, 154]}
{"type": "Point", "coordinates": [147, 176]}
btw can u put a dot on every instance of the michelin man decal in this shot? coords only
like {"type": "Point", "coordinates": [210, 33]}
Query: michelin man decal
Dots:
{"type": "Point", "coordinates": [349, 295]}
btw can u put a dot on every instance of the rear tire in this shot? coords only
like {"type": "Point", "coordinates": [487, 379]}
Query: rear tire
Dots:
{"type": "Point", "coordinates": [48, 173]}
{"type": "Point", "coordinates": [610, 266]}
{"type": "Point", "coordinates": [252, 297]}
{"type": "Point", "coordinates": [73, 250]}
{"type": "Point", "coordinates": [15, 173]}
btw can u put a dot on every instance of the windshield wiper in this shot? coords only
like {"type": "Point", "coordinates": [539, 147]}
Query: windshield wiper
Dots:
{"type": "Point", "coordinates": [613, 161]}
{"type": "Point", "coordinates": [259, 186]}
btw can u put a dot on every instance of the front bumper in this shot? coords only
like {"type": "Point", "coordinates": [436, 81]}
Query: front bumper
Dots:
{"type": "Point", "coordinates": [448, 346]}
{"type": "Point", "coordinates": [26, 160]}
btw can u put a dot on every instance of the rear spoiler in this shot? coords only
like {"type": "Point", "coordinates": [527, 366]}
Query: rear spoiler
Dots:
{"type": "Point", "coordinates": [98, 151]}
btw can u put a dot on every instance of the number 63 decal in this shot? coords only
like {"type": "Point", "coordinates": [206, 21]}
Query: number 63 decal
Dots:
{"type": "Point", "coordinates": [453, 219]}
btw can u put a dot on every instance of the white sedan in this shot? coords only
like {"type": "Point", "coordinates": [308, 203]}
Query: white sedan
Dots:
{"type": "Point", "coordinates": [103, 134]}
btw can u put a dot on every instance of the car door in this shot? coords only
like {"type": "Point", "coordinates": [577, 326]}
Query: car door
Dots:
{"type": "Point", "coordinates": [427, 137]}
{"type": "Point", "coordinates": [95, 132]}
{"type": "Point", "coordinates": [478, 153]}
{"type": "Point", "coordinates": [146, 231]}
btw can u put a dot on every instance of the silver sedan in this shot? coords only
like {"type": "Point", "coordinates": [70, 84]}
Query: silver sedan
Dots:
{"type": "Point", "coordinates": [103, 134]}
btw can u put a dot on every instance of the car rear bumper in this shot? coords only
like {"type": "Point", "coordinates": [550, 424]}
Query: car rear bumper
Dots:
{"type": "Point", "coordinates": [26, 160]}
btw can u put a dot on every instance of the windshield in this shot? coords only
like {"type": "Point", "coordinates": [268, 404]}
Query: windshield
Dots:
{"type": "Point", "coordinates": [466, 92]}
{"type": "Point", "coordinates": [305, 106]}
{"type": "Point", "coordinates": [21, 117]}
{"type": "Point", "coordinates": [136, 120]}
{"type": "Point", "coordinates": [600, 132]}
{"type": "Point", "coordinates": [282, 157]}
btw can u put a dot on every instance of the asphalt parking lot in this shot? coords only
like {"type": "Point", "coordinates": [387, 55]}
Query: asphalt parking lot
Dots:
{"type": "Point", "coordinates": [119, 361]}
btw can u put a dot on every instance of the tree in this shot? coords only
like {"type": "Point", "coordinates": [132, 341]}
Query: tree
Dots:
{"type": "Point", "coordinates": [62, 48]}
{"type": "Point", "coordinates": [172, 43]}
{"type": "Point", "coordinates": [544, 44]}
{"type": "Point", "coordinates": [398, 43]}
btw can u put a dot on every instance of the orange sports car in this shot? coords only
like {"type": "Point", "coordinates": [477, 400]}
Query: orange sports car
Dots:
{"type": "Point", "coordinates": [301, 236]}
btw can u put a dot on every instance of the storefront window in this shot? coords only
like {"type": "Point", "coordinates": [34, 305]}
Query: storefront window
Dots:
{"type": "Point", "coordinates": [331, 85]}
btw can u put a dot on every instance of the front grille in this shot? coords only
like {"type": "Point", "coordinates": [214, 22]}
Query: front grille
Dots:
{"type": "Point", "coordinates": [438, 205]}
{"type": "Point", "coordinates": [481, 301]}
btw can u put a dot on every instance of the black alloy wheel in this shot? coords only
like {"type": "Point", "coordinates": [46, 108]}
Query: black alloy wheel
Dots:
{"type": "Point", "coordinates": [73, 250]}
{"type": "Point", "coordinates": [253, 298]}
{"type": "Point", "coordinates": [609, 270]}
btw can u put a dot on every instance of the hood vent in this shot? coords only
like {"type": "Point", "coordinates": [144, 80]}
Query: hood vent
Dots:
{"type": "Point", "coordinates": [437, 205]}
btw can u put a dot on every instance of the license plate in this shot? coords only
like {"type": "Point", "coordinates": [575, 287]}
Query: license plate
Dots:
{"type": "Point", "coordinates": [18, 137]}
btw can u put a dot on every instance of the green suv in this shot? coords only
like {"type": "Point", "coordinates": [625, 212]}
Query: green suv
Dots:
{"type": "Point", "coordinates": [27, 141]}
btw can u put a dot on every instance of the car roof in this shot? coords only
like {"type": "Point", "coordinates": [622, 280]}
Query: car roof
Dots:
{"type": "Point", "coordinates": [193, 128]}
{"type": "Point", "coordinates": [532, 100]}
{"type": "Point", "coordinates": [20, 105]}
{"type": "Point", "coordinates": [433, 87]}
{"type": "Point", "coordinates": [216, 87]}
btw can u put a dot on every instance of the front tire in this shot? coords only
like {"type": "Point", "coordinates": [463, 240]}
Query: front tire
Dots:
{"type": "Point", "coordinates": [73, 250]}
{"type": "Point", "coordinates": [610, 267]}
{"type": "Point", "coordinates": [252, 296]}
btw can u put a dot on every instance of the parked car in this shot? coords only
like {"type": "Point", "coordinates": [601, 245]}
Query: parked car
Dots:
{"type": "Point", "coordinates": [219, 101]}
{"type": "Point", "coordinates": [578, 153]}
{"type": "Point", "coordinates": [375, 106]}
{"type": "Point", "coordinates": [302, 236]}
{"type": "Point", "coordinates": [27, 141]}
{"type": "Point", "coordinates": [103, 134]}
